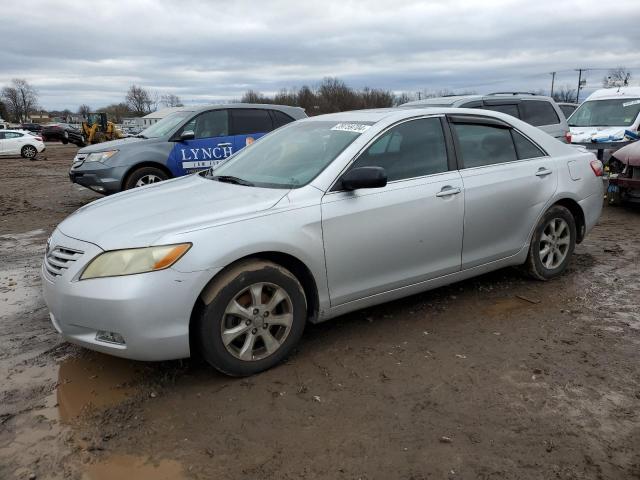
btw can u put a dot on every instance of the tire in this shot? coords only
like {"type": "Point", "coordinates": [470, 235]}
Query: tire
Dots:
{"type": "Point", "coordinates": [248, 331]}
{"type": "Point", "coordinates": [144, 176]}
{"type": "Point", "coordinates": [555, 232]}
{"type": "Point", "coordinates": [29, 151]}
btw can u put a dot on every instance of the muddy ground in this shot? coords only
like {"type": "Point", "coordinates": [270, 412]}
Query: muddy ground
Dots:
{"type": "Point", "coordinates": [499, 377]}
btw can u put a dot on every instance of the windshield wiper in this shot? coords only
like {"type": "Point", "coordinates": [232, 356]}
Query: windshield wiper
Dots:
{"type": "Point", "coordinates": [232, 179]}
{"type": "Point", "coordinates": [141, 136]}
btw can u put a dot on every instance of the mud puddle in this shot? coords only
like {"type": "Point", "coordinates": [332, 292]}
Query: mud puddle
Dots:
{"type": "Point", "coordinates": [118, 467]}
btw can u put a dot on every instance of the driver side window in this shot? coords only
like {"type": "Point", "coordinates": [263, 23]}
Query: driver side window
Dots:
{"type": "Point", "coordinates": [214, 123]}
{"type": "Point", "coordinates": [411, 149]}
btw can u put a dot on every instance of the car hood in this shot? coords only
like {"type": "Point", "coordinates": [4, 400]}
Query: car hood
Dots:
{"type": "Point", "coordinates": [604, 134]}
{"type": "Point", "coordinates": [116, 144]}
{"type": "Point", "coordinates": [142, 216]}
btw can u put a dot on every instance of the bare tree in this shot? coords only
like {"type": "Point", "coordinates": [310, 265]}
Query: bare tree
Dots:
{"type": "Point", "coordinates": [171, 100]}
{"type": "Point", "coordinates": [565, 94]}
{"type": "Point", "coordinates": [116, 111]}
{"type": "Point", "coordinates": [20, 99]}
{"type": "Point", "coordinates": [139, 100]}
{"type": "Point", "coordinates": [84, 110]}
{"type": "Point", "coordinates": [617, 77]}
{"type": "Point", "coordinates": [251, 96]}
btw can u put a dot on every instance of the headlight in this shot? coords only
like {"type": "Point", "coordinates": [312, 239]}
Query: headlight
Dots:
{"type": "Point", "coordinates": [134, 260]}
{"type": "Point", "coordinates": [100, 156]}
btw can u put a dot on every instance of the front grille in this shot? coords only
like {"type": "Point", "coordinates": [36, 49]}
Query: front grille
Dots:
{"type": "Point", "coordinates": [79, 160]}
{"type": "Point", "coordinates": [58, 259]}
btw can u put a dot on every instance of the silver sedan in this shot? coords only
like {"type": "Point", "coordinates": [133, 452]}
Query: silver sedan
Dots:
{"type": "Point", "coordinates": [321, 217]}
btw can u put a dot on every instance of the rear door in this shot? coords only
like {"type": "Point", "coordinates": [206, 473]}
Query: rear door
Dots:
{"type": "Point", "coordinates": [249, 124]}
{"type": "Point", "coordinates": [212, 143]}
{"type": "Point", "coordinates": [13, 143]}
{"type": "Point", "coordinates": [2, 142]}
{"type": "Point", "coordinates": [380, 239]}
{"type": "Point", "coordinates": [508, 181]}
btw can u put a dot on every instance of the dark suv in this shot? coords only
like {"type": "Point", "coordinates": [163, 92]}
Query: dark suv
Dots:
{"type": "Point", "coordinates": [537, 110]}
{"type": "Point", "coordinates": [186, 141]}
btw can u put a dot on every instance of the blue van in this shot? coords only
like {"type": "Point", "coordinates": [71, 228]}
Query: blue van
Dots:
{"type": "Point", "coordinates": [186, 141]}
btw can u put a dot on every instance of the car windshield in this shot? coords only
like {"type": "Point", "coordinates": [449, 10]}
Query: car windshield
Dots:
{"type": "Point", "coordinates": [606, 113]}
{"type": "Point", "coordinates": [166, 125]}
{"type": "Point", "coordinates": [291, 156]}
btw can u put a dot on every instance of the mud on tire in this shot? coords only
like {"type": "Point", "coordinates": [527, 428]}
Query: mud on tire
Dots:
{"type": "Point", "coordinates": [552, 244]}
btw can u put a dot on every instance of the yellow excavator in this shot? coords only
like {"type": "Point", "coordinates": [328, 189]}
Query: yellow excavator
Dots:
{"type": "Point", "coordinates": [96, 128]}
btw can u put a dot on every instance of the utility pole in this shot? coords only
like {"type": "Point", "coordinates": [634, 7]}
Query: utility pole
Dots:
{"type": "Point", "coordinates": [580, 70]}
{"type": "Point", "coordinates": [419, 96]}
{"type": "Point", "coordinates": [553, 80]}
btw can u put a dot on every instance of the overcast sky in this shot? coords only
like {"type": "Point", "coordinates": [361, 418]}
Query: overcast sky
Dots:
{"type": "Point", "coordinates": [77, 52]}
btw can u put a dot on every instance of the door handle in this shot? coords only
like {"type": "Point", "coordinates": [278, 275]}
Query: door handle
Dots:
{"type": "Point", "coordinates": [227, 144]}
{"type": "Point", "coordinates": [448, 190]}
{"type": "Point", "coordinates": [542, 172]}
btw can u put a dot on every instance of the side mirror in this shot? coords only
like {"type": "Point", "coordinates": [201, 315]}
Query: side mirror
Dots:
{"type": "Point", "coordinates": [364, 177]}
{"type": "Point", "coordinates": [187, 135]}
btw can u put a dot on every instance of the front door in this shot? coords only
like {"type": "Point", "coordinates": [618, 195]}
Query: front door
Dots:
{"type": "Point", "coordinates": [409, 231]}
{"type": "Point", "coordinates": [212, 143]}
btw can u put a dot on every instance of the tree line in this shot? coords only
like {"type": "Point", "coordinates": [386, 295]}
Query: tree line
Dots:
{"type": "Point", "coordinates": [19, 99]}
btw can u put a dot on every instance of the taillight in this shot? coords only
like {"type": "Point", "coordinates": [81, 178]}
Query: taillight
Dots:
{"type": "Point", "coordinates": [567, 136]}
{"type": "Point", "coordinates": [596, 166]}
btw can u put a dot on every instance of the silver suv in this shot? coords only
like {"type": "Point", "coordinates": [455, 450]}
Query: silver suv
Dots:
{"type": "Point", "coordinates": [537, 110]}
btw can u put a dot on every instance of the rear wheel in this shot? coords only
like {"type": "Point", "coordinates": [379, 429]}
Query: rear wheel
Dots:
{"type": "Point", "coordinates": [144, 176]}
{"type": "Point", "coordinates": [29, 151]}
{"type": "Point", "coordinates": [552, 245]}
{"type": "Point", "coordinates": [253, 317]}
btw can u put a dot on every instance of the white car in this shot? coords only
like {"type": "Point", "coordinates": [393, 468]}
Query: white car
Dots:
{"type": "Point", "coordinates": [20, 142]}
{"type": "Point", "coordinates": [607, 115]}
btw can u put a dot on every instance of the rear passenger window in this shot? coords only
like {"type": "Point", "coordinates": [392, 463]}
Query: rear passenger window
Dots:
{"type": "Point", "coordinates": [524, 147]}
{"type": "Point", "coordinates": [248, 121]}
{"type": "Point", "coordinates": [508, 109]}
{"type": "Point", "coordinates": [538, 113]}
{"type": "Point", "coordinates": [482, 145]}
{"type": "Point", "coordinates": [412, 149]}
{"type": "Point", "coordinates": [280, 119]}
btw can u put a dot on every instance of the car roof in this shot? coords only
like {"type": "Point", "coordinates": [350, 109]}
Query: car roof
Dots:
{"type": "Point", "coordinates": [295, 112]}
{"type": "Point", "coordinates": [456, 99]}
{"type": "Point", "coordinates": [610, 93]}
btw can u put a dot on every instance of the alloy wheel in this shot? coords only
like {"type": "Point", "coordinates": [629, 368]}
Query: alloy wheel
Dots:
{"type": "Point", "coordinates": [257, 321]}
{"type": "Point", "coordinates": [147, 179]}
{"type": "Point", "coordinates": [29, 152]}
{"type": "Point", "coordinates": [554, 243]}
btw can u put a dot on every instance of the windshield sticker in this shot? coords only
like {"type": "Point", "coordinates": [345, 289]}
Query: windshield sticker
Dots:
{"type": "Point", "coordinates": [351, 127]}
{"type": "Point", "coordinates": [632, 102]}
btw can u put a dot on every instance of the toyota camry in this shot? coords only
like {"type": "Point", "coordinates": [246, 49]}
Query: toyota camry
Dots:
{"type": "Point", "coordinates": [323, 216]}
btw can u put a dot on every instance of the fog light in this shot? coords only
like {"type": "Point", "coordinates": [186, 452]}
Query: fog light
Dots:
{"type": "Point", "coordinates": [110, 337]}
{"type": "Point", "coordinates": [97, 188]}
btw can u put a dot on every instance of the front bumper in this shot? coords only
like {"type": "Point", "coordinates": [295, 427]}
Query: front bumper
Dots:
{"type": "Point", "coordinates": [151, 311]}
{"type": "Point", "coordinates": [98, 177]}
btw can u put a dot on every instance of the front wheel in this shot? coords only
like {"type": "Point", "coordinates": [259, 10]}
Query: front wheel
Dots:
{"type": "Point", "coordinates": [144, 176]}
{"type": "Point", "coordinates": [253, 317]}
{"type": "Point", "coordinates": [552, 245]}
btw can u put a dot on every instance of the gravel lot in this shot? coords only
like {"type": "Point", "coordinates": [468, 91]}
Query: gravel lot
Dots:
{"type": "Point", "coordinates": [499, 377]}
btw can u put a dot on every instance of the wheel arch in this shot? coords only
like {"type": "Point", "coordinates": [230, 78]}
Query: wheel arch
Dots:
{"type": "Point", "coordinates": [296, 266]}
{"type": "Point", "coordinates": [139, 165]}
{"type": "Point", "coordinates": [578, 214]}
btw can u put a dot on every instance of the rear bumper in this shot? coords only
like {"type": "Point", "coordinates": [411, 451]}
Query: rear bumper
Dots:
{"type": "Point", "coordinates": [592, 208]}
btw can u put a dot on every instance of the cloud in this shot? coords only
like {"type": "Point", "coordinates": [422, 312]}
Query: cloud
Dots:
{"type": "Point", "coordinates": [203, 50]}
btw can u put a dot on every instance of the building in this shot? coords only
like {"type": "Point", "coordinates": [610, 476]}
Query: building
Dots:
{"type": "Point", "coordinates": [42, 117]}
{"type": "Point", "coordinates": [132, 122]}
{"type": "Point", "coordinates": [153, 117]}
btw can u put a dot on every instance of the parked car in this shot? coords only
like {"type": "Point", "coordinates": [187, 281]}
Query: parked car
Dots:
{"type": "Point", "coordinates": [624, 181]}
{"type": "Point", "coordinates": [568, 108]}
{"type": "Point", "coordinates": [606, 115]}
{"type": "Point", "coordinates": [324, 216]}
{"type": "Point", "coordinates": [187, 141]}
{"type": "Point", "coordinates": [537, 110]}
{"type": "Point", "coordinates": [63, 132]}
{"type": "Point", "coordinates": [31, 127]}
{"type": "Point", "coordinates": [19, 142]}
